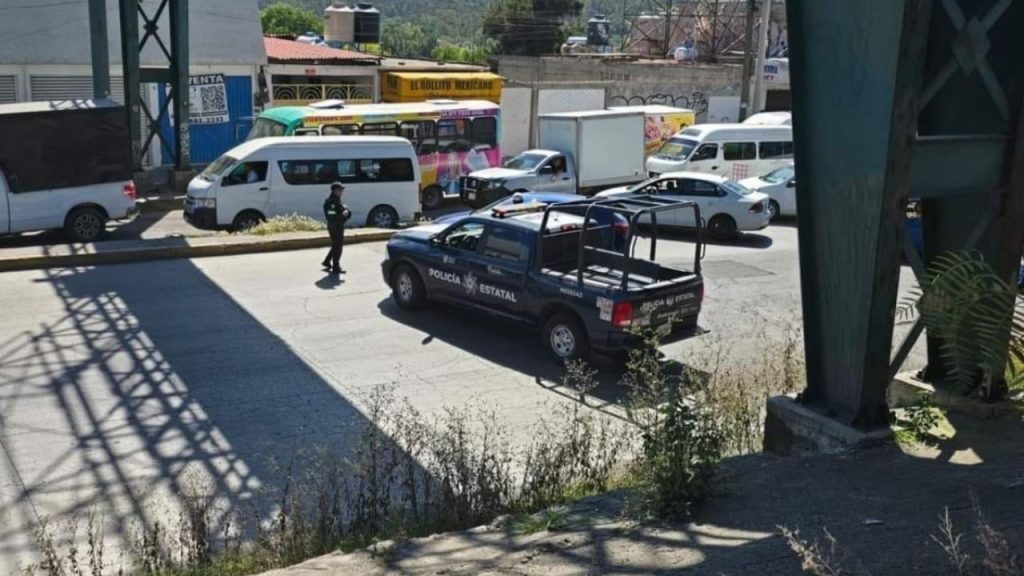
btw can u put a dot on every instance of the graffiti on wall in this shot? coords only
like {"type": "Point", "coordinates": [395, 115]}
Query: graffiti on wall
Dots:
{"type": "Point", "coordinates": [696, 101]}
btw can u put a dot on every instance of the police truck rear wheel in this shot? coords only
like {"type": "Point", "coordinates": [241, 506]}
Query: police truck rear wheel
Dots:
{"type": "Point", "coordinates": [85, 224]}
{"type": "Point", "coordinates": [407, 288]}
{"type": "Point", "coordinates": [565, 338]}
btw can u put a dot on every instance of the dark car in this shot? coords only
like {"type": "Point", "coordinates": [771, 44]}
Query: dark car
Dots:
{"type": "Point", "coordinates": [619, 224]}
{"type": "Point", "coordinates": [548, 266]}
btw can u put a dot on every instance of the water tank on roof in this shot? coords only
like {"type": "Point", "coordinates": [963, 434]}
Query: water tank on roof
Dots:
{"type": "Point", "coordinates": [367, 25]}
{"type": "Point", "coordinates": [598, 30]}
{"type": "Point", "coordinates": [339, 24]}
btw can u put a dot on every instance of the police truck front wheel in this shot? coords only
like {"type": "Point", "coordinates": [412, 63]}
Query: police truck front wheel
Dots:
{"type": "Point", "coordinates": [407, 288]}
{"type": "Point", "coordinates": [565, 338]}
{"type": "Point", "coordinates": [85, 224]}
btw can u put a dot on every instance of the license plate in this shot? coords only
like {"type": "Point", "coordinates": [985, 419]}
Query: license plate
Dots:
{"type": "Point", "coordinates": [471, 195]}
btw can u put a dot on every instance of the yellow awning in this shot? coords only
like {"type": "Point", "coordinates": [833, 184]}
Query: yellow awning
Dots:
{"type": "Point", "coordinates": [419, 86]}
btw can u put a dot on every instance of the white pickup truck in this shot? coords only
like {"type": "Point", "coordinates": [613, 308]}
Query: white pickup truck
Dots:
{"type": "Point", "coordinates": [580, 152]}
{"type": "Point", "coordinates": [74, 174]}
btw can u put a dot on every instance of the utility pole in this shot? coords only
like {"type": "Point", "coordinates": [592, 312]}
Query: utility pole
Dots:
{"type": "Point", "coordinates": [748, 41]}
{"type": "Point", "coordinates": [100, 54]}
{"type": "Point", "coordinates": [762, 49]}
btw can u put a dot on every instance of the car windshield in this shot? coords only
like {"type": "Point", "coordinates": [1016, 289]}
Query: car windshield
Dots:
{"type": "Point", "coordinates": [525, 161]}
{"type": "Point", "coordinates": [778, 175]}
{"type": "Point", "coordinates": [736, 188]}
{"type": "Point", "coordinates": [217, 167]}
{"type": "Point", "coordinates": [677, 148]}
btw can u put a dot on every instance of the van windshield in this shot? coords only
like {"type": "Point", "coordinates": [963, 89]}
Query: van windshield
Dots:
{"type": "Point", "coordinates": [525, 161]}
{"type": "Point", "coordinates": [778, 175]}
{"type": "Point", "coordinates": [677, 149]}
{"type": "Point", "coordinates": [217, 167]}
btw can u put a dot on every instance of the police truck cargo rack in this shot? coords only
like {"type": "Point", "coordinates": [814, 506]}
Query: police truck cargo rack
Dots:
{"type": "Point", "coordinates": [554, 267]}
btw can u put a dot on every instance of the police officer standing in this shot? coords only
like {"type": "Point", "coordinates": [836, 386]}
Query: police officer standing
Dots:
{"type": "Point", "coordinates": [336, 214]}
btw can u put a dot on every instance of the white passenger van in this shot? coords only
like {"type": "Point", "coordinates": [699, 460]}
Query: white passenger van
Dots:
{"type": "Point", "coordinates": [269, 177]}
{"type": "Point", "coordinates": [736, 151]}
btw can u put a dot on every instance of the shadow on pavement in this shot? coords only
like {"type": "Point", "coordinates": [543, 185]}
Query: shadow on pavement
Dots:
{"type": "Point", "coordinates": [152, 375]}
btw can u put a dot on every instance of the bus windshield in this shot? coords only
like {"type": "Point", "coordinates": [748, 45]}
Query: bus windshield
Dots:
{"type": "Point", "coordinates": [265, 127]}
{"type": "Point", "coordinates": [525, 161]}
{"type": "Point", "coordinates": [677, 148]}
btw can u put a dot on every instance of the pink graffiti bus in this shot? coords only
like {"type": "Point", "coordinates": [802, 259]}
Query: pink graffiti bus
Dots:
{"type": "Point", "coordinates": [452, 138]}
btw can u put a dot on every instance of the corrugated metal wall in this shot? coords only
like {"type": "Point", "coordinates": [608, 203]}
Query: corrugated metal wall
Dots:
{"type": "Point", "coordinates": [208, 141]}
{"type": "Point", "coordinates": [8, 89]}
{"type": "Point", "coordinates": [46, 87]}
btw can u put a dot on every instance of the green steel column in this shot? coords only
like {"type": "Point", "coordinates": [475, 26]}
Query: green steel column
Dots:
{"type": "Point", "coordinates": [179, 67]}
{"type": "Point", "coordinates": [100, 54]}
{"type": "Point", "coordinates": [130, 62]}
{"type": "Point", "coordinates": [853, 65]}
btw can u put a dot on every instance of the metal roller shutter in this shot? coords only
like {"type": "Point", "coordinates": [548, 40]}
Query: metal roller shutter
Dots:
{"type": "Point", "coordinates": [70, 88]}
{"type": "Point", "coordinates": [8, 90]}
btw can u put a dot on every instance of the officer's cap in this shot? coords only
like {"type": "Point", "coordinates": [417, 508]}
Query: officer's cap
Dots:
{"type": "Point", "coordinates": [337, 185]}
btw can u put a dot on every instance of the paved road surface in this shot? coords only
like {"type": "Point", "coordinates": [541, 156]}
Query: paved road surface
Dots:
{"type": "Point", "coordinates": [118, 382]}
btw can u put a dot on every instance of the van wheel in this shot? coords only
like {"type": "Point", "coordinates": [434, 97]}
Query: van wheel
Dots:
{"type": "Point", "coordinates": [722, 227]}
{"type": "Point", "coordinates": [85, 224]}
{"type": "Point", "coordinates": [773, 210]}
{"type": "Point", "coordinates": [382, 217]}
{"type": "Point", "coordinates": [247, 220]}
{"type": "Point", "coordinates": [565, 338]}
{"type": "Point", "coordinates": [407, 288]}
{"type": "Point", "coordinates": [433, 196]}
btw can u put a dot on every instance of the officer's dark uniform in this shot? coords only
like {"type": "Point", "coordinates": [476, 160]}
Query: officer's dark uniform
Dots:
{"type": "Point", "coordinates": [336, 215]}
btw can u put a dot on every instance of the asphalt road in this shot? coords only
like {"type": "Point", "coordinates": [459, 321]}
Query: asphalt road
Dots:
{"type": "Point", "coordinates": [118, 383]}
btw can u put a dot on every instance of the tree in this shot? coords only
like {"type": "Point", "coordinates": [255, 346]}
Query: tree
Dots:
{"type": "Point", "coordinates": [405, 40]}
{"type": "Point", "coordinates": [281, 18]}
{"type": "Point", "coordinates": [463, 54]}
{"type": "Point", "coordinates": [529, 27]}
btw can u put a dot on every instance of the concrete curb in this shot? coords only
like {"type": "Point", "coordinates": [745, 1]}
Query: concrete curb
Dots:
{"type": "Point", "coordinates": [123, 251]}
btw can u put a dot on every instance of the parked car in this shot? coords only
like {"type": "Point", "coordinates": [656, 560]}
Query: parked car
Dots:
{"type": "Point", "coordinates": [619, 224]}
{"type": "Point", "coordinates": [727, 206]}
{"type": "Point", "coordinates": [65, 165]}
{"type": "Point", "coordinates": [735, 151]}
{"type": "Point", "coordinates": [780, 186]}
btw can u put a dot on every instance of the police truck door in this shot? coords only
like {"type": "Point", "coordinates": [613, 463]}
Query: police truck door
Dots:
{"type": "Point", "coordinates": [500, 268]}
{"type": "Point", "coordinates": [5, 207]}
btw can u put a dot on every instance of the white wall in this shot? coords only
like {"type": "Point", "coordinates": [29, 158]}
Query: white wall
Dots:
{"type": "Point", "coordinates": [220, 32]}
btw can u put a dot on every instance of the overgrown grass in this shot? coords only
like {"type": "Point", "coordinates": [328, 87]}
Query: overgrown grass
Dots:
{"type": "Point", "coordinates": [996, 556]}
{"type": "Point", "coordinates": [411, 475]}
{"type": "Point", "coordinates": [285, 224]}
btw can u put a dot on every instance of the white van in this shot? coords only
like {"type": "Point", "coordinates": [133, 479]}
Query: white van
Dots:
{"type": "Point", "coordinates": [736, 151]}
{"type": "Point", "coordinates": [269, 177]}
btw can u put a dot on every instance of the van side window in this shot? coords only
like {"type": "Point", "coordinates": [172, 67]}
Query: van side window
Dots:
{"type": "Point", "coordinates": [776, 150]}
{"type": "Point", "coordinates": [395, 170]}
{"type": "Point", "coordinates": [325, 172]}
{"type": "Point", "coordinates": [705, 152]}
{"type": "Point", "coordinates": [246, 173]}
{"type": "Point", "coordinates": [339, 129]}
{"type": "Point", "coordinates": [739, 151]}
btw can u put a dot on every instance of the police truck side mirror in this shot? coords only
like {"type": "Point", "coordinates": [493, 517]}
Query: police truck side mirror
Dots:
{"type": "Point", "coordinates": [791, 183]}
{"type": "Point", "coordinates": [434, 240]}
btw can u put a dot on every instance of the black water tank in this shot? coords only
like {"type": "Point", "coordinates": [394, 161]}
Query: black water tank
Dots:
{"type": "Point", "coordinates": [598, 30]}
{"type": "Point", "coordinates": [367, 25]}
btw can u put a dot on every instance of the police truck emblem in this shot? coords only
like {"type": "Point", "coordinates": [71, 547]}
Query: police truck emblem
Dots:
{"type": "Point", "coordinates": [469, 283]}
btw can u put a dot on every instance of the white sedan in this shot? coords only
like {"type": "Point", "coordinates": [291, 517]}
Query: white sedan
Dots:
{"type": "Point", "coordinates": [725, 206]}
{"type": "Point", "coordinates": [780, 186]}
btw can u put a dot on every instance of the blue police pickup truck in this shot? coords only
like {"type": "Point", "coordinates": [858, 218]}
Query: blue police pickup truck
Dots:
{"type": "Point", "coordinates": [552, 266]}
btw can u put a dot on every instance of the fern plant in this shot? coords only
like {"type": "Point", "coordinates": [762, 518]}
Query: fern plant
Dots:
{"type": "Point", "coordinates": [971, 310]}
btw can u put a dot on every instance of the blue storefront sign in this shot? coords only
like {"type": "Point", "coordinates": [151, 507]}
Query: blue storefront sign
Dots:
{"type": "Point", "coordinates": [221, 111]}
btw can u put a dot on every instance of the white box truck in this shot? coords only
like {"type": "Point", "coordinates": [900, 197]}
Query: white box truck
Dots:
{"type": "Point", "coordinates": [579, 153]}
